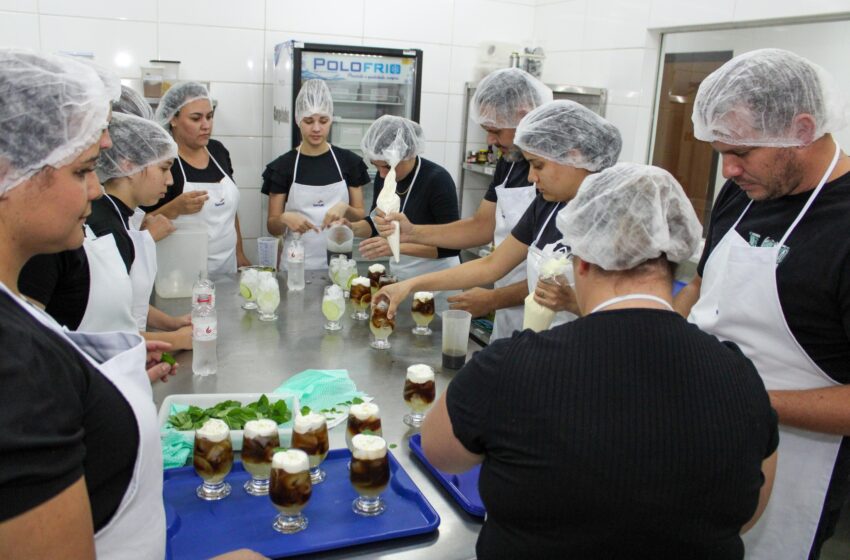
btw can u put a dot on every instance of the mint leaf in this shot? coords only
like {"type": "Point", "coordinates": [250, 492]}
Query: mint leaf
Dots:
{"type": "Point", "coordinates": [357, 400]}
{"type": "Point", "coordinates": [393, 446]}
{"type": "Point", "coordinates": [168, 359]}
{"type": "Point", "coordinates": [305, 410]}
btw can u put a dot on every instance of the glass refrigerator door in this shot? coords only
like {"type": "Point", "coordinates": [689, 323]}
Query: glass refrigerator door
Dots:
{"type": "Point", "coordinates": [364, 87]}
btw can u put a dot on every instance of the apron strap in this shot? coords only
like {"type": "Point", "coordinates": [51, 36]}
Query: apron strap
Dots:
{"type": "Point", "coordinates": [117, 211]}
{"type": "Point", "coordinates": [812, 198]}
{"type": "Point", "coordinates": [410, 188]}
{"type": "Point", "coordinates": [183, 171]}
{"type": "Point", "coordinates": [546, 223]}
{"type": "Point", "coordinates": [338, 168]}
{"type": "Point", "coordinates": [298, 156]}
{"type": "Point", "coordinates": [618, 299]}
{"type": "Point", "coordinates": [223, 172]}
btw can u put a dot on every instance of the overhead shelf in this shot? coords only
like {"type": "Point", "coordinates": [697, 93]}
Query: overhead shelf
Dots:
{"type": "Point", "coordinates": [484, 169]}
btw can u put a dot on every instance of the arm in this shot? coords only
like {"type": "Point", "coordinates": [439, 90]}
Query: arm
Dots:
{"type": "Point", "coordinates": [180, 339]}
{"type": "Point", "coordinates": [160, 320]}
{"type": "Point", "coordinates": [486, 270]}
{"type": "Point", "coordinates": [187, 203]}
{"type": "Point", "coordinates": [481, 301]}
{"type": "Point", "coordinates": [279, 221]}
{"type": "Point", "coordinates": [352, 211]}
{"type": "Point", "coordinates": [158, 226]}
{"type": "Point", "coordinates": [440, 445]}
{"type": "Point", "coordinates": [818, 410]}
{"type": "Point", "coordinates": [462, 234]}
{"type": "Point", "coordinates": [377, 247]}
{"type": "Point", "coordinates": [241, 259]}
{"type": "Point", "coordinates": [687, 297]}
{"type": "Point", "coordinates": [61, 527]}
{"type": "Point", "coordinates": [768, 469]}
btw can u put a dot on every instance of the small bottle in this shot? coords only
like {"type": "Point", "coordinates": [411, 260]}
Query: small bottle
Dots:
{"type": "Point", "coordinates": [295, 264]}
{"type": "Point", "coordinates": [203, 287]}
{"type": "Point", "coordinates": [204, 335]}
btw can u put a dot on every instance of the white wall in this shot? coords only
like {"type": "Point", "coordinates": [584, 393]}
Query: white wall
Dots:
{"type": "Point", "coordinates": [229, 43]}
{"type": "Point", "coordinates": [615, 44]}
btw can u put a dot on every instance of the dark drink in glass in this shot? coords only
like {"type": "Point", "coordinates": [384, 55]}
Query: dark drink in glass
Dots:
{"type": "Point", "coordinates": [310, 434]}
{"type": "Point", "coordinates": [361, 418]}
{"type": "Point", "coordinates": [259, 441]}
{"type": "Point", "coordinates": [361, 297]}
{"type": "Point", "coordinates": [213, 458]}
{"type": "Point", "coordinates": [422, 309]}
{"type": "Point", "coordinates": [419, 393]}
{"type": "Point", "coordinates": [381, 326]}
{"type": "Point", "coordinates": [375, 272]}
{"type": "Point", "coordinates": [370, 473]}
{"type": "Point", "coordinates": [290, 489]}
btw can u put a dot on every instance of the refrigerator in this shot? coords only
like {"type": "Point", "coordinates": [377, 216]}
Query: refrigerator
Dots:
{"type": "Point", "coordinates": [365, 82]}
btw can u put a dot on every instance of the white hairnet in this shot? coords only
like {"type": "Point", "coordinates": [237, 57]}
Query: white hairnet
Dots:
{"type": "Point", "coordinates": [313, 99]}
{"type": "Point", "coordinates": [569, 134]}
{"type": "Point", "coordinates": [178, 96]}
{"type": "Point", "coordinates": [753, 100]}
{"type": "Point", "coordinates": [110, 80]}
{"type": "Point", "coordinates": [628, 214]}
{"type": "Point", "coordinates": [53, 108]}
{"type": "Point", "coordinates": [132, 103]}
{"type": "Point", "coordinates": [393, 139]}
{"type": "Point", "coordinates": [504, 97]}
{"type": "Point", "coordinates": [136, 143]}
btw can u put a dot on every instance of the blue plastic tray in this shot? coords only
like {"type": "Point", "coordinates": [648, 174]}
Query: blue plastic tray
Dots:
{"type": "Point", "coordinates": [462, 487]}
{"type": "Point", "coordinates": [199, 529]}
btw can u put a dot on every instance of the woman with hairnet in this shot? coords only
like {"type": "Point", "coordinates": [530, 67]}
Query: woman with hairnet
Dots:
{"type": "Point", "coordinates": [563, 142]}
{"type": "Point", "coordinates": [627, 433]}
{"type": "Point", "coordinates": [314, 184]}
{"type": "Point", "coordinates": [203, 176]}
{"type": "Point", "coordinates": [500, 102]}
{"type": "Point", "coordinates": [426, 190]}
{"type": "Point", "coordinates": [80, 457]}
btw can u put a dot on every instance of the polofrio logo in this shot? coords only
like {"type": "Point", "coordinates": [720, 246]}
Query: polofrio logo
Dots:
{"type": "Point", "coordinates": [355, 67]}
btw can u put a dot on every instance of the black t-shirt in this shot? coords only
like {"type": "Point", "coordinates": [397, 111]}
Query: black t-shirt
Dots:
{"type": "Point", "coordinates": [210, 174]}
{"type": "Point", "coordinates": [60, 281]}
{"type": "Point", "coordinates": [623, 434]}
{"type": "Point", "coordinates": [314, 170]}
{"type": "Point", "coordinates": [537, 214]}
{"type": "Point", "coordinates": [61, 420]}
{"type": "Point", "coordinates": [104, 220]}
{"type": "Point", "coordinates": [813, 277]}
{"type": "Point", "coordinates": [517, 176]}
{"type": "Point", "coordinates": [433, 199]}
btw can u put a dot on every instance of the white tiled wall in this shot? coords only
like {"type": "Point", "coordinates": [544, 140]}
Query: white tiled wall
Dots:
{"type": "Point", "coordinates": [604, 43]}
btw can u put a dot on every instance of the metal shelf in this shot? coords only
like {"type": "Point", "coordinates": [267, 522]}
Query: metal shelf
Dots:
{"type": "Point", "coordinates": [372, 102]}
{"type": "Point", "coordinates": [483, 168]}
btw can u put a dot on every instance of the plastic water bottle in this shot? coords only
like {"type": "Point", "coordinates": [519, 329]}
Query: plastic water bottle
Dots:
{"type": "Point", "coordinates": [295, 264]}
{"type": "Point", "coordinates": [202, 288]}
{"type": "Point", "coordinates": [204, 335]}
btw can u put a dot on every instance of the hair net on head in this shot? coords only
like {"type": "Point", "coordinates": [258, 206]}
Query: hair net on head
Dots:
{"type": "Point", "coordinates": [53, 109]}
{"type": "Point", "coordinates": [393, 139]}
{"type": "Point", "coordinates": [136, 143]}
{"type": "Point", "coordinates": [176, 98]}
{"type": "Point", "coordinates": [628, 214]}
{"type": "Point", "coordinates": [569, 134]}
{"type": "Point", "coordinates": [313, 99]}
{"type": "Point", "coordinates": [132, 103]}
{"type": "Point", "coordinates": [110, 79]}
{"type": "Point", "coordinates": [753, 99]}
{"type": "Point", "coordinates": [504, 97]}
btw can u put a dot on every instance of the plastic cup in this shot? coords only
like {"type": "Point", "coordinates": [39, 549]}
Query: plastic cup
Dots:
{"type": "Point", "coordinates": [267, 249]}
{"type": "Point", "coordinates": [340, 241]}
{"type": "Point", "coordinates": [455, 337]}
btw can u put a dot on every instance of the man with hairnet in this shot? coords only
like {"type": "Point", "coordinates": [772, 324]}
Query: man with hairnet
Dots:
{"type": "Point", "coordinates": [501, 100]}
{"type": "Point", "coordinates": [628, 432]}
{"type": "Point", "coordinates": [773, 277]}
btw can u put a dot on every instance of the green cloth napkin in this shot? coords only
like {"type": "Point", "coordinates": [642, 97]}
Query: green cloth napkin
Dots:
{"type": "Point", "coordinates": [321, 389]}
{"type": "Point", "coordinates": [176, 447]}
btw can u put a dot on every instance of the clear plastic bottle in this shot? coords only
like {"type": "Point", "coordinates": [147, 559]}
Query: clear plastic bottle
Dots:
{"type": "Point", "coordinates": [203, 287]}
{"type": "Point", "coordinates": [204, 335]}
{"type": "Point", "coordinates": [295, 264]}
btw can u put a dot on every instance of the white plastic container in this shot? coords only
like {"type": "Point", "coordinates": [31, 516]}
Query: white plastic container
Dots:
{"type": "Point", "coordinates": [180, 257]}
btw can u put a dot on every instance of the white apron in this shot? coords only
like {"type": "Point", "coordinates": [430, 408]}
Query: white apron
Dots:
{"type": "Point", "coordinates": [109, 306]}
{"type": "Point", "coordinates": [739, 301]}
{"type": "Point", "coordinates": [511, 204]}
{"type": "Point", "coordinates": [219, 213]}
{"type": "Point", "coordinates": [409, 267]}
{"type": "Point", "coordinates": [143, 271]}
{"type": "Point", "coordinates": [137, 529]}
{"type": "Point", "coordinates": [314, 201]}
{"type": "Point", "coordinates": [533, 261]}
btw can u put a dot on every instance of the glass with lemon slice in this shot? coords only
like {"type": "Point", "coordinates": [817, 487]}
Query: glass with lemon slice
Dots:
{"type": "Point", "coordinates": [333, 306]}
{"type": "Point", "coordinates": [249, 280]}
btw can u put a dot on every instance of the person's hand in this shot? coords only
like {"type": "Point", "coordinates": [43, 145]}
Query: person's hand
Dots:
{"type": "Point", "coordinates": [557, 296]}
{"type": "Point", "coordinates": [384, 225]}
{"type": "Point", "coordinates": [241, 259]}
{"type": "Point", "coordinates": [341, 222]}
{"type": "Point", "coordinates": [179, 321]}
{"type": "Point", "coordinates": [478, 301]}
{"type": "Point", "coordinates": [157, 369]}
{"type": "Point", "coordinates": [375, 247]}
{"type": "Point", "coordinates": [334, 213]}
{"type": "Point", "coordinates": [158, 226]}
{"type": "Point", "coordinates": [394, 294]}
{"type": "Point", "coordinates": [191, 202]}
{"type": "Point", "coordinates": [183, 340]}
{"type": "Point", "coordinates": [295, 221]}
{"type": "Point", "coordinates": [241, 554]}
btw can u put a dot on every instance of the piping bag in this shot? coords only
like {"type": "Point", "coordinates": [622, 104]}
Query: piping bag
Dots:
{"type": "Point", "coordinates": [388, 201]}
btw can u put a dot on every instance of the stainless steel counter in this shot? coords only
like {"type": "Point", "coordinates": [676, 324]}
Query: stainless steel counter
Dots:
{"type": "Point", "coordinates": [255, 356]}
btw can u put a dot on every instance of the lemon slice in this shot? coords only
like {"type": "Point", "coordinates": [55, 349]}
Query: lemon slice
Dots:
{"type": "Point", "coordinates": [268, 300]}
{"type": "Point", "coordinates": [331, 310]}
{"type": "Point", "coordinates": [348, 282]}
{"type": "Point", "coordinates": [245, 291]}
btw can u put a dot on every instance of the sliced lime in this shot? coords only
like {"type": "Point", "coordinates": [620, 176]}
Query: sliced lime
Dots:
{"type": "Point", "coordinates": [331, 310]}
{"type": "Point", "coordinates": [245, 291]}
